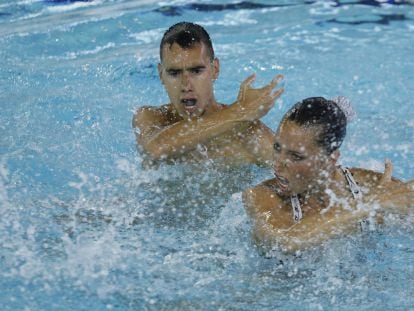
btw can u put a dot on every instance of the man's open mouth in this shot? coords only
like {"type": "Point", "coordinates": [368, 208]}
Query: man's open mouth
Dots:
{"type": "Point", "coordinates": [189, 102]}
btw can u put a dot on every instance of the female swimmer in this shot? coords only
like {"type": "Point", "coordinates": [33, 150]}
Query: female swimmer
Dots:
{"type": "Point", "coordinates": [311, 198]}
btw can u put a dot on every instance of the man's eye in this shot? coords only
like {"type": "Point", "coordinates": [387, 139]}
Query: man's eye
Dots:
{"type": "Point", "coordinates": [173, 73]}
{"type": "Point", "coordinates": [196, 70]}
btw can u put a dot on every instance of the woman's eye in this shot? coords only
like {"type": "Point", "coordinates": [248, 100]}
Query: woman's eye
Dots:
{"type": "Point", "coordinates": [276, 147]}
{"type": "Point", "coordinates": [297, 157]}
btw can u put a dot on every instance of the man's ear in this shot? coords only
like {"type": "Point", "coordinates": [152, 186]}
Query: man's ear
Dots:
{"type": "Point", "coordinates": [160, 73]}
{"type": "Point", "coordinates": [216, 68]}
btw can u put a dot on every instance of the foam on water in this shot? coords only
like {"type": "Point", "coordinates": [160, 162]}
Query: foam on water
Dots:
{"type": "Point", "coordinates": [112, 258]}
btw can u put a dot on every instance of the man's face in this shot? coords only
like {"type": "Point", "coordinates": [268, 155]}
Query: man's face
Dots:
{"type": "Point", "coordinates": [188, 76]}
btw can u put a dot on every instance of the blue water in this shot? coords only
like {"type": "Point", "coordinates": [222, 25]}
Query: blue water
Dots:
{"type": "Point", "coordinates": [83, 227]}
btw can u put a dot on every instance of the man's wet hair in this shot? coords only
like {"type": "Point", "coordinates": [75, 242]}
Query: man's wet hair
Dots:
{"type": "Point", "coordinates": [323, 114]}
{"type": "Point", "coordinates": [186, 35]}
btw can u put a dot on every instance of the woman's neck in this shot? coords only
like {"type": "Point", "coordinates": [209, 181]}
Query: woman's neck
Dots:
{"type": "Point", "coordinates": [320, 197]}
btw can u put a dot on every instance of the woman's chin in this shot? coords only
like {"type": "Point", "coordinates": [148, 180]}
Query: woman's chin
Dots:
{"type": "Point", "coordinates": [283, 189]}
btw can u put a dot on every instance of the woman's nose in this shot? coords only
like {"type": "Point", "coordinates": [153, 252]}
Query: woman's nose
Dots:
{"type": "Point", "coordinates": [280, 164]}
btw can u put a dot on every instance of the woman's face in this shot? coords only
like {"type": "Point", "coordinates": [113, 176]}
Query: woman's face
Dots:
{"type": "Point", "coordinates": [300, 164]}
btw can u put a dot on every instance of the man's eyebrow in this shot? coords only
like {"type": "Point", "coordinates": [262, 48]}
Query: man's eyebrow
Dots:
{"type": "Point", "coordinates": [197, 67]}
{"type": "Point", "coordinates": [176, 70]}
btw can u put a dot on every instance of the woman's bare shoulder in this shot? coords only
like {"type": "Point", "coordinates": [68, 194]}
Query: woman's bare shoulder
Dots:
{"type": "Point", "coordinates": [369, 177]}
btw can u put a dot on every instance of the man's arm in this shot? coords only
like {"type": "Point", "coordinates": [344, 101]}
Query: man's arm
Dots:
{"type": "Point", "coordinates": [260, 140]}
{"type": "Point", "coordinates": [162, 141]}
{"type": "Point", "coordinates": [167, 141]}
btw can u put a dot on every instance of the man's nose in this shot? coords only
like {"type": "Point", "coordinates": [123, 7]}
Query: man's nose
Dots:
{"type": "Point", "coordinates": [185, 81]}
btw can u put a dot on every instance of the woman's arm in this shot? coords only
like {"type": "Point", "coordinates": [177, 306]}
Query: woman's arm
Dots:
{"type": "Point", "coordinates": [397, 198]}
{"type": "Point", "coordinates": [274, 227]}
{"type": "Point", "coordinates": [390, 194]}
{"type": "Point", "coordinates": [310, 232]}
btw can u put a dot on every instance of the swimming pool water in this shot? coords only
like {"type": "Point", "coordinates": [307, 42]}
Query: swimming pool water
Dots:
{"type": "Point", "coordinates": [84, 227]}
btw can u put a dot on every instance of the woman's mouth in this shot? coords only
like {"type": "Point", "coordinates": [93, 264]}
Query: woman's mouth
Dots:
{"type": "Point", "coordinates": [283, 183]}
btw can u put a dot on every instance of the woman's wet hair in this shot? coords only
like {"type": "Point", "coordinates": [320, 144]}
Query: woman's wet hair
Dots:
{"type": "Point", "coordinates": [186, 35]}
{"type": "Point", "coordinates": [323, 114]}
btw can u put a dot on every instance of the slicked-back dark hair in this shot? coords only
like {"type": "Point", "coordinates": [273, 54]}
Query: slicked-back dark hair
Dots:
{"type": "Point", "coordinates": [324, 115]}
{"type": "Point", "coordinates": [186, 34]}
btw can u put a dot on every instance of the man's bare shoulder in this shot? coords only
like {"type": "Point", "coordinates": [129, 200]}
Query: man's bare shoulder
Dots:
{"type": "Point", "coordinates": [259, 141]}
{"type": "Point", "coordinates": [154, 115]}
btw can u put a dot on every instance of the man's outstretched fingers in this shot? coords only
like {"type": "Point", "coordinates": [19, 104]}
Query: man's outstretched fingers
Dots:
{"type": "Point", "coordinates": [277, 79]}
{"type": "Point", "coordinates": [245, 85]}
{"type": "Point", "coordinates": [269, 99]}
{"type": "Point", "coordinates": [274, 82]}
{"type": "Point", "coordinates": [277, 93]}
{"type": "Point", "coordinates": [248, 80]}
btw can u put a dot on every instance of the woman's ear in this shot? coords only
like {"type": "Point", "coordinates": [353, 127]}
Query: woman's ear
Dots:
{"type": "Point", "coordinates": [335, 156]}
